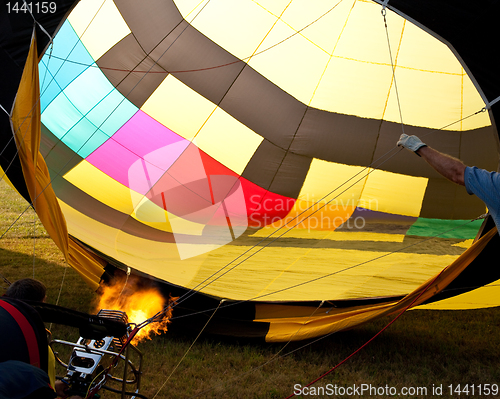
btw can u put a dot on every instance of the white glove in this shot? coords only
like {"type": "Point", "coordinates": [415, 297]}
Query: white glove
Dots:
{"type": "Point", "coordinates": [412, 143]}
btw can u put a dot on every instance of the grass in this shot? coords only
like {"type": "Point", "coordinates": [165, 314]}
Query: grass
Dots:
{"type": "Point", "coordinates": [426, 349]}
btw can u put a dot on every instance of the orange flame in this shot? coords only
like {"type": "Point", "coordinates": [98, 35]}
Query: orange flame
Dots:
{"type": "Point", "coordinates": [140, 302]}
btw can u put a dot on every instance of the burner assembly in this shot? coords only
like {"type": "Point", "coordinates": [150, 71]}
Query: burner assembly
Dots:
{"type": "Point", "coordinates": [95, 361]}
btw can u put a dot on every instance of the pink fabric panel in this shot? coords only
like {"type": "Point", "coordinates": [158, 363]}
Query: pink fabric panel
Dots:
{"type": "Point", "coordinates": [139, 153]}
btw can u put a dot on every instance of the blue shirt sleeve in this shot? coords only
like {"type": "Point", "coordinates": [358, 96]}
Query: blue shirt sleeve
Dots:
{"type": "Point", "coordinates": [486, 186]}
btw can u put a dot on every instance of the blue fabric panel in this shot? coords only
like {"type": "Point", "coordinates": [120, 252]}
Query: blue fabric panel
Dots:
{"type": "Point", "coordinates": [60, 65]}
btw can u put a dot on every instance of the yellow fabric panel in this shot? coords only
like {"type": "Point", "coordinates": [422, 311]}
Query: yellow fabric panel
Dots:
{"type": "Point", "coordinates": [364, 37]}
{"type": "Point", "coordinates": [360, 88]}
{"type": "Point", "coordinates": [100, 186]}
{"type": "Point", "coordinates": [464, 244]}
{"type": "Point", "coordinates": [417, 86]}
{"type": "Point", "coordinates": [422, 54]}
{"type": "Point", "coordinates": [178, 107]}
{"type": "Point", "coordinates": [321, 24]}
{"type": "Point", "coordinates": [334, 236]}
{"type": "Point", "coordinates": [295, 328]}
{"type": "Point", "coordinates": [324, 322]}
{"type": "Point", "coordinates": [99, 25]}
{"type": "Point", "coordinates": [26, 124]}
{"type": "Point", "coordinates": [345, 70]}
{"type": "Point", "coordinates": [278, 273]}
{"type": "Point", "coordinates": [89, 266]}
{"type": "Point", "coordinates": [376, 190]}
{"type": "Point", "coordinates": [275, 7]}
{"type": "Point", "coordinates": [220, 132]}
{"type": "Point", "coordinates": [484, 297]}
{"type": "Point", "coordinates": [4, 177]}
{"type": "Point", "coordinates": [293, 57]}
{"type": "Point", "coordinates": [96, 235]}
{"type": "Point", "coordinates": [314, 216]}
{"type": "Point", "coordinates": [333, 181]}
{"type": "Point", "coordinates": [105, 189]}
{"type": "Point", "coordinates": [240, 18]}
{"type": "Point", "coordinates": [152, 257]}
{"type": "Point", "coordinates": [394, 193]}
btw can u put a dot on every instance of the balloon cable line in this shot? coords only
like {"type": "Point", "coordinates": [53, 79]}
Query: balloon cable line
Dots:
{"type": "Point", "coordinates": [188, 349]}
{"type": "Point", "coordinates": [375, 336]}
{"type": "Point", "coordinates": [57, 174]}
{"type": "Point", "coordinates": [226, 269]}
{"type": "Point", "coordinates": [393, 67]}
{"type": "Point", "coordinates": [224, 266]}
{"type": "Point", "coordinates": [277, 356]}
{"type": "Point", "coordinates": [245, 59]}
{"type": "Point", "coordinates": [334, 273]}
{"type": "Point", "coordinates": [274, 357]}
{"type": "Point", "coordinates": [222, 271]}
{"type": "Point", "coordinates": [237, 258]}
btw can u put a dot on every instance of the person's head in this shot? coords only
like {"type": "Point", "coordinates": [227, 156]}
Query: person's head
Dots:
{"type": "Point", "coordinates": [27, 289]}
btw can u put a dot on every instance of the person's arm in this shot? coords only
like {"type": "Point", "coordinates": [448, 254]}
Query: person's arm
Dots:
{"type": "Point", "coordinates": [451, 168]}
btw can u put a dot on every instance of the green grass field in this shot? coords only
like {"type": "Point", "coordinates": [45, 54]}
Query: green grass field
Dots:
{"type": "Point", "coordinates": [423, 354]}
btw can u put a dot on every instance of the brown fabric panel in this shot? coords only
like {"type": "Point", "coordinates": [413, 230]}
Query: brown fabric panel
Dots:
{"type": "Point", "coordinates": [387, 156]}
{"type": "Point", "coordinates": [291, 175]}
{"type": "Point", "coordinates": [480, 148]}
{"type": "Point", "coordinates": [336, 137]}
{"type": "Point", "coordinates": [475, 148]}
{"type": "Point", "coordinates": [59, 158]}
{"type": "Point", "coordinates": [277, 170]}
{"type": "Point", "coordinates": [244, 93]}
{"type": "Point", "coordinates": [179, 48]}
{"type": "Point", "coordinates": [198, 62]}
{"type": "Point", "coordinates": [263, 165]}
{"type": "Point", "coordinates": [446, 200]}
{"type": "Point", "coordinates": [265, 108]}
{"type": "Point", "coordinates": [149, 23]}
{"type": "Point", "coordinates": [205, 67]}
{"type": "Point", "coordinates": [126, 56]}
{"type": "Point", "coordinates": [102, 213]}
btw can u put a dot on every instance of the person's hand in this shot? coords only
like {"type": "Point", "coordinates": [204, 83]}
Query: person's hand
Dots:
{"type": "Point", "coordinates": [412, 143]}
{"type": "Point", "coordinates": [61, 388]}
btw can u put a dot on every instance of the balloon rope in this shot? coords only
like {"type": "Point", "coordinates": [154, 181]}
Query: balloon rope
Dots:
{"type": "Point", "coordinates": [372, 338]}
{"type": "Point", "coordinates": [336, 272]}
{"type": "Point", "coordinates": [216, 275]}
{"type": "Point", "coordinates": [190, 347]}
{"type": "Point", "coordinates": [226, 269]}
{"type": "Point", "coordinates": [245, 59]}
{"type": "Point", "coordinates": [393, 68]}
{"type": "Point", "coordinates": [275, 357]}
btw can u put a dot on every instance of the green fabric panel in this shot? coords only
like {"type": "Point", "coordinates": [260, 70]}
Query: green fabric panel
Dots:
{"type": "Point", "coordinates": [445, 228]}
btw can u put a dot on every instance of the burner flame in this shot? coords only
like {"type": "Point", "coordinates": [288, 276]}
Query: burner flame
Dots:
{"type": "Point", "coordinates": [140, 301]}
